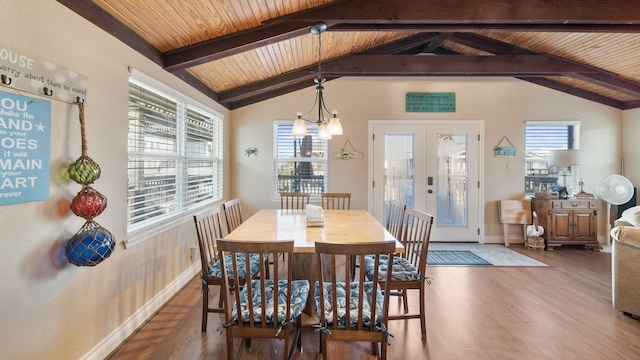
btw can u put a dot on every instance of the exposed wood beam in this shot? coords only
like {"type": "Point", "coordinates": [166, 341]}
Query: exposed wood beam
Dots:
{"type": "Point", "coordinates": [622, 12]}
{"type": "Point", "coordinates": [233, 44]}
{"type": "Point", "coordinates": [449, 27]}
{"type": "Point", "coordinates": [598, 76]}
{"type": "Point", "coordinates": [575, 91]}
{"type": "Point", "coordinates": [452, 65]}
{"type": "Point", "coordinates": [96, 15]}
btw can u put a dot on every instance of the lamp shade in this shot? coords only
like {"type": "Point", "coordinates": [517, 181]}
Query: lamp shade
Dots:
{"type": "Point", "coordinates": [571, 157]}
{"type": "Point", "coordinates": [299, 127]}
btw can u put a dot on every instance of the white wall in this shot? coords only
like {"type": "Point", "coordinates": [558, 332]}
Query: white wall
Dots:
{"type": "Point", "coordinates": [503, 104]}
{"type": "Point", "coordinates": [49, 308]}
{"type": "Point", "coordinates": [630, 134]}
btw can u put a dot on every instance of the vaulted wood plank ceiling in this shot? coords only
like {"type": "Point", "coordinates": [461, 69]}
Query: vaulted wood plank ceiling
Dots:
{"type": "Point", "coordinates": [243, 52]}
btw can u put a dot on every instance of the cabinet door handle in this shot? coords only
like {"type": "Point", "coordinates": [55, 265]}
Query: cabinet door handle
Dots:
{"type": "Point", "coordinates": [574, 204]}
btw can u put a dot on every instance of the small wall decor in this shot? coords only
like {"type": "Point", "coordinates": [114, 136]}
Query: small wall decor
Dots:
{"type": "Point", "coordinates": [251, 150]}
{"type": "Point", "coordinates": [92, 243]}
{"type": "Point", "coordinates": [348, 155]}
{"type": "Point", "coordinates": [500, 150]}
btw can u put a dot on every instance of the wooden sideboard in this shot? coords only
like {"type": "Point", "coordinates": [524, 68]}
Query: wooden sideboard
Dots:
{"type": "Point", "coordinates": [568, 222]}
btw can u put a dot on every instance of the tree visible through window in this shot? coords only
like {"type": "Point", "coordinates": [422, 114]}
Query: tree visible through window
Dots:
{"type": "Point", "coordinates": [300, 163]}
{"type": "Point", "coordinates": [540, 138]}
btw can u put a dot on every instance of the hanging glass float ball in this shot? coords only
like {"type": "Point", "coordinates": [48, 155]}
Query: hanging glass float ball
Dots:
{"type": "Point", "coordinates": [90, 245]}
{"type": "Point", "coordinates": [84, 170]}
{"type": "Point", "coordinates": [88, 203]}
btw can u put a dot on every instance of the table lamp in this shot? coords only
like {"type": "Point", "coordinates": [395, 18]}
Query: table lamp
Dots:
{"type": "Point", "coordinates": [565, 158]}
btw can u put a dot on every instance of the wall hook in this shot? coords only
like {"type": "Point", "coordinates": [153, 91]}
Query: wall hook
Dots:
{"type": "Point", "coordinates": [6, 80]}
{"type": "Point", "coordinates": [47, 91]}
{"type": "Point", "coordinates": [79, 100]}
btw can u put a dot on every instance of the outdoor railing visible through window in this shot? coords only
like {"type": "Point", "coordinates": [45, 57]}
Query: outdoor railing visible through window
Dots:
{"type": "Point", "coordinates": [175, 155]}
{"type": "Point", "coordinates": [300, 162]}
{"type": "Point", "coordinates": [540, 138]}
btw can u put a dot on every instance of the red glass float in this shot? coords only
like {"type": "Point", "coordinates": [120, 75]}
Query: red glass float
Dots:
{"type": "Point", "coordinates": [88, 203]}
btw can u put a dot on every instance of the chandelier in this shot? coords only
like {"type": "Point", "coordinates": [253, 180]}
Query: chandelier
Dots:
{"type": "Point", "coordinates": [326, 128]}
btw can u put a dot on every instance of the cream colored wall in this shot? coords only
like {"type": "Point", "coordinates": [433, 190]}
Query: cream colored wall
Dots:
{"type": "Point", "coordinates": [630, 134]}
{"type": "Point", "coordinates": [49, 308]}
{"type": "Point", "coordinates": [503, 104]}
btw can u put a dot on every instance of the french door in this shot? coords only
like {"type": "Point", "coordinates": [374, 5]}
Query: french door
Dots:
{"type": "Point", "coordinates": [433, 167]}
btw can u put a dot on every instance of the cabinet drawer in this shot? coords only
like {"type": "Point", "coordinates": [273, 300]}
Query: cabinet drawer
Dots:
{"type": "Point", "coordinates": [570, 204]}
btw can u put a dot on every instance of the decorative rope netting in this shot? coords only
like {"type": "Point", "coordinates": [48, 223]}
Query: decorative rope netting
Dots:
{"type": "Point", "coordinates": [92, 243]}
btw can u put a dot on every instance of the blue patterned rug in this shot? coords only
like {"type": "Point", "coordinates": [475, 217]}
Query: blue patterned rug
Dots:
{"type": "Point", "coordinates": [454, 257]}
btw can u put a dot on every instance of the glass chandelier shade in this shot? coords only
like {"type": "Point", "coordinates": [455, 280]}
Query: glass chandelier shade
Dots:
{"type": "Point", "coordinates": [326, 128]}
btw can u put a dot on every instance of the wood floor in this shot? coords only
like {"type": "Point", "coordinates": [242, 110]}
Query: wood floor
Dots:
{"type": "Point", "coordinates": [562, 311]}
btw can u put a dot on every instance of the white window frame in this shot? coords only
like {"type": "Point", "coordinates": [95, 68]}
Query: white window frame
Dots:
{"type": "Point", "coordinates": [320, 157]}
{"type": "Point", "coordinates": [543, 153]}
{"type": "Point", "coordinates": [185, 203]}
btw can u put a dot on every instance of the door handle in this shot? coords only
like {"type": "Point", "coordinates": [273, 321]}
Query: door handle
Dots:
{"type": "Point", "coordinates": [430, 191]}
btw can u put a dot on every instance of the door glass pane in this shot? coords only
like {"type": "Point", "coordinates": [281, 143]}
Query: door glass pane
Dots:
{"type": "Point", "coordinates": [399, 168]}
{"type": "Point", "coordinates": [452, 180]}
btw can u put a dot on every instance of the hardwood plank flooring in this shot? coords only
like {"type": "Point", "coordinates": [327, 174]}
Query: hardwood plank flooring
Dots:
{"type": "Point", "coordinates": [562, 311]}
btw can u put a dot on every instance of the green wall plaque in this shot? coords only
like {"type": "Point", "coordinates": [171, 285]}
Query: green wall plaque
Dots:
{"type": "Point", "coordinates": [430, 102]}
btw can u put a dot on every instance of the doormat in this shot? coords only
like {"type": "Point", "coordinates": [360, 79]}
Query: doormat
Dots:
{"type": "Point", "coordinates": [454, 257]}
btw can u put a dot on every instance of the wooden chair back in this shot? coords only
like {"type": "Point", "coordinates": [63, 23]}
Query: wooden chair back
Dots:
{"type": "Point", "coordinates": [209, 227]}
{"type": "Point", "coordinates": [253, 315]}
{"type": "Point", "coordinates": [336, 201]}
{"type": "Point", "coordinates": [415, 238]}
{"type": "Point", "coordinates": [294, 201]}
{"type": "Point", "coordinates": [233, 213]}
{"type": "Point", "coordinates": [395, 217]}
{"type": "Point", "coordinates": [367, 315]}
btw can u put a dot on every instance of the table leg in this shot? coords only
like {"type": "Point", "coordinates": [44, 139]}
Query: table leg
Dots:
{"type": "Point", "coordinates": [305, 267]}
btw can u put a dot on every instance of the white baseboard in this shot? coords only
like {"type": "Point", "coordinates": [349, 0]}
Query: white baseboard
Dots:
{"type": "Point", "coordinates": [120, 334]}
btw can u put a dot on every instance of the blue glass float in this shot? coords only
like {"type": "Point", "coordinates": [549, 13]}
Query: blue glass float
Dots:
{"type": "Point", "coordinates": [90, 245]}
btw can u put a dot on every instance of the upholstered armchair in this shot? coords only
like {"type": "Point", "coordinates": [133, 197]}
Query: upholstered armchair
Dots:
{"type": "Point", "coordinates": [625, 262]}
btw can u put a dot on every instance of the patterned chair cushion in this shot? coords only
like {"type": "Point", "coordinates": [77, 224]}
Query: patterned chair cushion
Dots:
{"type": "Point", "coordinates": [402, 269]}
{"type": "Point", "coordinates": [342, 298]}
{"type": "Point", "coordinates": [254, 261]}
{"type": "Point", "coordinates": [299, 294]}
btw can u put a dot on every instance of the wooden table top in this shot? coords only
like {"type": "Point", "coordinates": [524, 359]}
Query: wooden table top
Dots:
{"type": "Point", "coordinates": [340, 226]}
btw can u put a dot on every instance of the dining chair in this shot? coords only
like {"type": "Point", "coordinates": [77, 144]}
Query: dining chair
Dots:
{"type": "Point", "coordinates": [395, 217]}
{"type": "Point", "coordinates": [336, 201]}
{"type": "Point", "coordinates": [209, 228]}
{"type": "Point", "coordinates": [408, 270]}
{"type": "Point", "coordinates": [352, 310]}
{"type": "Point", "coordinates": [233, 213]}
{"type": "Point", "coordinates": [293, 200]}
{"type": "Point", "coordinates": [268, 308]}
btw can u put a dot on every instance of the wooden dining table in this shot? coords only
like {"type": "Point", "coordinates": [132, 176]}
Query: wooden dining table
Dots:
{"type": "Point", "coordinates": [339, 226]}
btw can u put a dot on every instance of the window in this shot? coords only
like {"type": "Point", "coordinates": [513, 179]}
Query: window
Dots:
{"type": "Point", "coordinates": [540, 137]}
{"type": "Point", "coordinates": [300, 162]}
{"type": "Point", "coordinates": [175, 154]}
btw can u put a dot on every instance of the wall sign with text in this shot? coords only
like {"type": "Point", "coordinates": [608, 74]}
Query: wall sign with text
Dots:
{"type": "Point", "coordinates": [25, 72]}
{"type": "Point", "coordinates": [25, 144]}
{"type": "Point", "coordinates": [430, 102]}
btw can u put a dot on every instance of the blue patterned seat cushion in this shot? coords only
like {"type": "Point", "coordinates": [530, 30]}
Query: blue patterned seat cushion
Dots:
{"type": "Point", "coordinates": [299, 294]}
{"type": "Point", "coordinates": [254, 262]}
{"type": "Point", "coordinates": [402, 269]}
{"type": "Point", "coordinates": [341, 289]}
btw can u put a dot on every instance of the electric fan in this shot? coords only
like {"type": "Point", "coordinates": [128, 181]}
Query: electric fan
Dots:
{"type": "Point", "coordinates": [616, 190]}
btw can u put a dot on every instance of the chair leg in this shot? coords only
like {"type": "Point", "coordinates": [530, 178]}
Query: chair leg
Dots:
{"type": "Point", "coordinates": [423, 317]}
{"type": "Point", "coordinates": [405, 302]}
{"type": "Point", "coordinates": [205, 306]}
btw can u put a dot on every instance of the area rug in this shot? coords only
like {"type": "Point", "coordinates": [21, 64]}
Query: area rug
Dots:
{"type": "Point", "coordinates": [454, 257]}
{"type": "Point", "coordinates": [497, 255]}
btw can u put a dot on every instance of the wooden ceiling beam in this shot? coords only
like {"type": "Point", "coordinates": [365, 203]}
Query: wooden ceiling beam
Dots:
{"type": "Point", "coordinates": [475, 28]}
{"type": "Point", "coordinates": [232, 44]}
{"type": "Point", "coordinates": [598, 77]}
{"type": "Point", "coordinates": [451, 65]}
{"type": "Point", "coordinates": [462, 12]}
